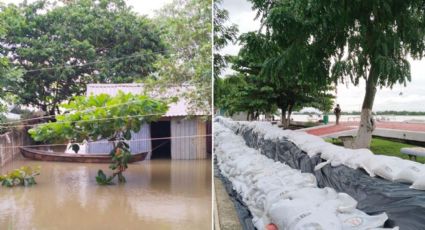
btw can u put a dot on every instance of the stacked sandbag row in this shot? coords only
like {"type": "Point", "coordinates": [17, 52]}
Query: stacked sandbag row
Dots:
{"type": "Point", "coordinates": [390, 168]}
{"type": "Point", "coordinates": [404, 206]}
{"type": "Point", "coordinates": [277, 194]}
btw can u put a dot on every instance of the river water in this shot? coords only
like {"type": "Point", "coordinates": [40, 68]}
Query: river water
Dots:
{"type": "Point", "coordinates": [159, 194]}
{"type": "Point", "coordinates": [347, 118]}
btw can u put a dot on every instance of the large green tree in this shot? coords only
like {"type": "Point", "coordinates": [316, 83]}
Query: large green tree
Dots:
{"type": "Point", "coordinates": [186, 27]}
{"type": "Point", "coordinates": [256, 94]}
{"type": "Point", "coordinates": [367, 40]}
{"type": "Point", "coordinates": [285, 83]}
{"type": "Point", "coordinates": [9, 75]}
{"type": "Point", "coordinates": [241, 93]}
{"type": "Point", "coordinates": [63, 46]}
{"type": "Point", "coordinates": [223, 35]}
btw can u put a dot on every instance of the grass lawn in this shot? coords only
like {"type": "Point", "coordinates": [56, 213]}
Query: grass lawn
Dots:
{"type": "Point", "coordinates": [384, 147]}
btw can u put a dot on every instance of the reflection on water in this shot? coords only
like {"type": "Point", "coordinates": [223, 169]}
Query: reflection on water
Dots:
{"type": "Point", "coordinates": [159, 194]}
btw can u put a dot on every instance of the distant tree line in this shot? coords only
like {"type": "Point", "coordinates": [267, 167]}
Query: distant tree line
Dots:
{"type": "Point", "coordinates": [390, 112]}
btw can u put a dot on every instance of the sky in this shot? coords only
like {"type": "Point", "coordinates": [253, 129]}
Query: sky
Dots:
{"type": "Point", "coordinates": [350, 98]}
{"type": "Point", "coordinates": [143, 7]}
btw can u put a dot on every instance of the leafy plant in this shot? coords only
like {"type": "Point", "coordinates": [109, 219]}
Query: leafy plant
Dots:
{"type": "Point", "coordinates": [23, 176]}
{"type": "Point", "coordinates": [99, 117]}
{"type": "Point", "coordinates": [102, 179]}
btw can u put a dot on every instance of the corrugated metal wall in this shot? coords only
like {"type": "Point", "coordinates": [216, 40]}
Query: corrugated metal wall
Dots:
{"type": "Point", "coordinates": [201, 141]}
{"type": "Point", "coordinates": [136, 145]}
{"type": "Point", "coordinates": [188, 147]}
{"type": "Point", "coordinates": [209, 137]}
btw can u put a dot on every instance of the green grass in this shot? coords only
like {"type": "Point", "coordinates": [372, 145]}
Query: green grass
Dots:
{"type": "Point", "coordinates": [384, 147]}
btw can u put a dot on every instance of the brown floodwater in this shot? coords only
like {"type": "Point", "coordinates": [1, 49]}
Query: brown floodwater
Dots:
{"type": "Point", "coordinates": [159, 194]}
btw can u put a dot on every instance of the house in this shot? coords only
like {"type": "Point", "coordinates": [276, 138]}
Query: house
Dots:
{"type": "Point", "coordinates": [179, 134]}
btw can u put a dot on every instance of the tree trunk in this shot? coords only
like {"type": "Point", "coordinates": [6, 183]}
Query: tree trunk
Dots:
{"type": "Point", "coordinates": [52, 111]}
{"type": "Point", "coordinates": [252, 115]}
{"type": "Point", "coordinates": [283, 116]}
{"type": "Point", "coordinates": [43, 108]}
{"type": "Point", "coordinates": [288, 119]}
{"type": "Point", "coordinates": [367, 124]}
{"type": "Point", "coordinates": [257, 115]}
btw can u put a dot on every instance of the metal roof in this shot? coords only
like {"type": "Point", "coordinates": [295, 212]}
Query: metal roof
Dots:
{"type": "Point", "coordinates": [179, 108]}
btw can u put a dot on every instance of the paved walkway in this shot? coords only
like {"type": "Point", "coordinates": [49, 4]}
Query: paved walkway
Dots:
{"type": "Point", "coordinates": [225, 216]}
{"type": "Point", "coordinates": [326, 130]}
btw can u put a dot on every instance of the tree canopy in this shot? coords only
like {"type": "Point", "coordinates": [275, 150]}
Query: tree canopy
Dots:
{"type": "Point", "coordinates": [186, 30]}
{"type": "Point", "coordinates": [9, 75]}
{"type": "Point", "coordinates": [63, 46]}
{"type": "Point", "coordinates": [223, 35]}
{"type": "Point", "coordinates": [367, 40]}
{"type": "Point", "coordinates": [275, 80]}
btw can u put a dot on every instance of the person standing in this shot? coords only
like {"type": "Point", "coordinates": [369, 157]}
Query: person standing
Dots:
{"type": "Point", "coordinates": [337, 112]}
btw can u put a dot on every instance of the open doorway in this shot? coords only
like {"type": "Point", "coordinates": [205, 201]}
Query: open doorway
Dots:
{"type": "Point", "coordinates": [161, 149]}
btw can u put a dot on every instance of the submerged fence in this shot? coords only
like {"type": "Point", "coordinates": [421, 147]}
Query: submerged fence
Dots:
{"type": "Point", "coordinates": [9, 143]}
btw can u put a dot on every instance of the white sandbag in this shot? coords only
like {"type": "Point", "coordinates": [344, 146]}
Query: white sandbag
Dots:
{"type": "Point", "coordinates": [299, 214]}
{"type": "Point", "coordinates": [330, 151]}
{"type": "Point", "coordinates": [410, 173]}
{"type": "Point", "coordinates": [341, 158]}
{"type": "Point", "coordinates": [358, 156]}
{"type": "Point", "coordinates": [369, 164]}
{"type": "Point", "coordinates": [276, 195]}
{"type": "Point", "coordinates": [346, 203]}
{"type": "Point", "coordinates": [419, 183]}
{"type": "Point", "coordinates": [321, 165]}
{"type": "Point", "coordinates": [313, 195]}
{"type": "Point", "coordinates": [314, 148]}
{"type": "Point", "coordinates": [303, 139]}
{"type": "Point", "coordinates": [260, 222]}
{"type": "Point", "coordinates": [389, 167]}
{"type": "Point", "coordinates": [358, 220]}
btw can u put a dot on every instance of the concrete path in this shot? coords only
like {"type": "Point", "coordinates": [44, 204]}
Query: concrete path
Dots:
{"type": "Point", "coordinates": [349, 127]}
{"type": "Point", "coordinates": [397, 130]}
{"type": "Point", "coordinates": [225, 216]}
{"type": "Point", "coordinates": [326, 130]}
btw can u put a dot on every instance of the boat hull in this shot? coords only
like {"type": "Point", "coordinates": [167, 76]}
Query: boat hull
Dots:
{"type": "Point", "coordinates": [41, 155]}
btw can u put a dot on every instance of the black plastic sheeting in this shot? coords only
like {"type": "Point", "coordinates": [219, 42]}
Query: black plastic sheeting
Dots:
{"type": "Point", "coordinates": [244, 215]}
{"type": "Point", "coordinates": [405, 207]}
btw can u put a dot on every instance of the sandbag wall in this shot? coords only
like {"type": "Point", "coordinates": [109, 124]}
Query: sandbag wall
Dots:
{"type": "Point", "coordinates": [405, 206]}
{"type": "Point", "coordinates": [242, 211]}
{"type": "Point", "coordinates": [279, 195]}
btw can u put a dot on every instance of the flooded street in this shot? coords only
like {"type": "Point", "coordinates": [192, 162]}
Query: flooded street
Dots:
{"type": "Point", "coordinates": [159, 194]}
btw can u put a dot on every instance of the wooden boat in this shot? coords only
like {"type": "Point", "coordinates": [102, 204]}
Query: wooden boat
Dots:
{"type": "Point", "coordinates": [43, 155]}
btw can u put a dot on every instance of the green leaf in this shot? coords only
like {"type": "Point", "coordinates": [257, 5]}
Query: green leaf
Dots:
{"type": "Point", "coordinates": [127, 134]}
{"type": "Point", "coordinates": [21, 176]}
{"type": "Point", "coordinates": [102, 179]}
